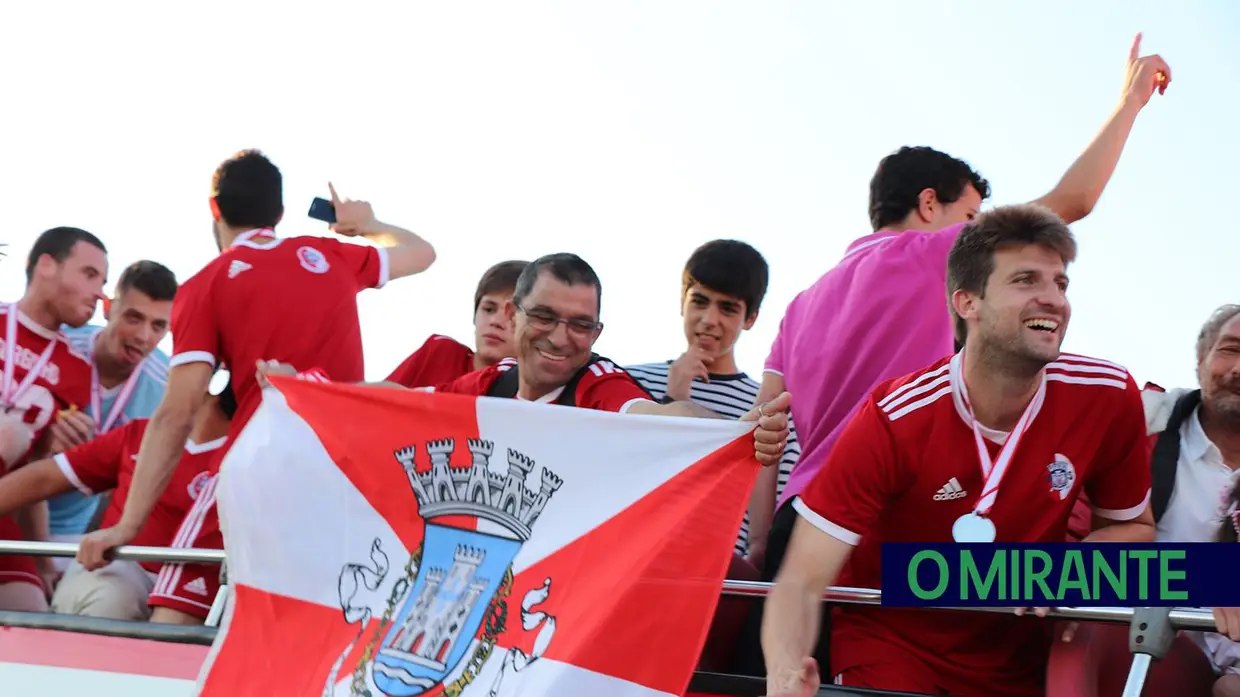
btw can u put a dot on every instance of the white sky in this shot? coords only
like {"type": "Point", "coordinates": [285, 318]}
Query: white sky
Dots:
{"type": "Point", "coordinates": [628, 133]}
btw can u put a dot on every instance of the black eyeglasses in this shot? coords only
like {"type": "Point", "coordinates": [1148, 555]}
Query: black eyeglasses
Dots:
{"type": "Point", "coordinates": [543, 320]}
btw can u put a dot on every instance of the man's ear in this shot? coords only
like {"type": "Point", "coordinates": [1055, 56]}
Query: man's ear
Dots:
{"type": "Point", "coordinates": [215, 209]}
{"type": "Point", "coordinates": [107, 309]}
{"type": "Point", "coordinates": [749, 322]}
{"type": "Point", "coordinates": [965, 304]}
{"type": "Point", "coordinates": [510, 310]}
{"type": "Point", "coordinates": [927, 205]}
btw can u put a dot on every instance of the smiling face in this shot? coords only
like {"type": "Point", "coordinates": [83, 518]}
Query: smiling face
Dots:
{"type": "Point", "coordinates": [1022, 316]}
{"type": "Point", "coordinates": [1219, 374]}
{"type": "Point", "coordinates": [713, 322]}
{"type": "Point", "coordinates": [555, 330]}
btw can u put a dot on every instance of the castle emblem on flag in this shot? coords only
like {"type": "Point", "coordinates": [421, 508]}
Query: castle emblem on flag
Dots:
{"type": "Point", "coordinates": [446, 611]}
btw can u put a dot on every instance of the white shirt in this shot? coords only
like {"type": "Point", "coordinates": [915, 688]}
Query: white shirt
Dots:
{"type": "Point", "coordinates": [1202, 483]}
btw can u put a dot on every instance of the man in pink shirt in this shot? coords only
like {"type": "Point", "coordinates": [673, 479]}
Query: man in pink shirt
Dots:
{"type": "Point", "coordinates": [880, 313]}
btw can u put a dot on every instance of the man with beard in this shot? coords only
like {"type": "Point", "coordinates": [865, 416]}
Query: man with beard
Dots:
{"type": "Point", "coordinates": [43, 377]}
{"type": "Point", "coordinates": [995, 443]}
{"type": "Point", "coordinates": [264, 297]}
{"type": "Point", "coordinates": [129, 375]}
{"type": "Point", "coordinates": [443, 359]}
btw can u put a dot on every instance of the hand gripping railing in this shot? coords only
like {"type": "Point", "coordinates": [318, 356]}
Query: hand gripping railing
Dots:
{"type": "Point", "coordinates": [1151, 632]}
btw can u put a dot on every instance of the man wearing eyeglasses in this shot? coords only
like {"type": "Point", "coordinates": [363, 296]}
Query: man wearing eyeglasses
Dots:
{"type": "Point", "coordinates": [555, 309]}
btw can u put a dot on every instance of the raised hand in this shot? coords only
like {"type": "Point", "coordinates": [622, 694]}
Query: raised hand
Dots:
{"type": "Point", "coordinates": [352, 217]}
{"type": "Point", "coordinates": [1146, 74]}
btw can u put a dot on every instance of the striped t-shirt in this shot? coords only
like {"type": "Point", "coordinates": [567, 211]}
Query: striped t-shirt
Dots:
{"type": "Point", "coordinates": [729, 395]}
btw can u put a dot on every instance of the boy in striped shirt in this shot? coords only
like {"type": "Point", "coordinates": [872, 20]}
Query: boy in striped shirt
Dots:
{"type": "Point", "coordinates": [722, 287]}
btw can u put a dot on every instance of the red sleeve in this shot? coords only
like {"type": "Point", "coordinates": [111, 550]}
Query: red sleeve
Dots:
{"type": "Point", "coordinates": [1119, 487]}
{"type": "Point", "coordinates": [94, 466]}
{"type": "Point", "coordinates": [407, 372]}
{"type": "Point", "coordinates": [862, 462]}
{"type": "Point", "coordinates": [195, 327]}
{"type": "Point", "coordinates": [476, 383]}
{"type": "Point", "coordinates": [607, 387]}
{"type": "Point", "coordinates": [369, 265]}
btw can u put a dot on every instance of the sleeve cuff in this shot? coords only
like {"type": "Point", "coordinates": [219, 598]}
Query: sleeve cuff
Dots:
{"type": "Point", "coordinates": [385, 267]}
{"type": "Point", "coordinates": [192, 357]}
{"type": "Point", "coordinates": [1126, 514]}
{"type": "Point", "coordinates": [629, 404]}
{"type": "Point", "coordinates": [772, 371]}
{"type": "Point", "coordinates": [66, 469]}
{"type": "Point", "coordinates": [843, 535]}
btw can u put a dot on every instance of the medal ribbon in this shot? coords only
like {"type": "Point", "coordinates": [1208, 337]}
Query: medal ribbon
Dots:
{"type": "Point", "coordinates": [96, 393]}
{"type": "Point", "coordinates": [993, 472]}
{"type": "Point", "coordinates": [8, 393]}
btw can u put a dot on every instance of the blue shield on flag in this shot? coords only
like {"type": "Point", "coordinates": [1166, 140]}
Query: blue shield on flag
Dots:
{"type": "Point", "coordinates": [459, 574]}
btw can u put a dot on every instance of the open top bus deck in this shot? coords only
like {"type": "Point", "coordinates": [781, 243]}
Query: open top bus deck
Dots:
{"type": "Point", "coordinates": [56, 655]}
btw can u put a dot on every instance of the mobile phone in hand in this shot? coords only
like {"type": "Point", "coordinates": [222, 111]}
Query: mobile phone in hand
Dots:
{"type": "Point", "coordinates": [322, 209]}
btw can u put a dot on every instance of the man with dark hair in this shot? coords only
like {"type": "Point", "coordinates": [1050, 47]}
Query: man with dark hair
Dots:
{"type": "Point", "coordinates": [722, 287]}
{"type": "Point", "coordinates": [128, 378]}
{"type": "Point", "coordinates": [120, 589]}
{"type": "Point", "coordinates": [993, 444]}
{"type": "Point", "coordinates": [443, 359]}
{"type": "Point", "coordinates": [879, 313]}
{"type": "Point", "coordinates": [289, 299]}
{"type": "Point", "coordinates": [555, 310]}
{"type": "Point", "coordinates": [43, 379]}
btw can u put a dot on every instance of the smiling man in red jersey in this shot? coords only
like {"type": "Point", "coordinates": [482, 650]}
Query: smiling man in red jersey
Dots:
{"type": "Point", "coordinates": [443, 359]}
{"type": "Point", "coordinates": [43, 376]}
{"type": "Point", "coordinates": [289, 299]}
{"type": "Point", "coordinates": [995, 443]}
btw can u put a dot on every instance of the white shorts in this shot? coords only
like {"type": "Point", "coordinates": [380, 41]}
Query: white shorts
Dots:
{"type": "Point", "coordinates": [117, 591]}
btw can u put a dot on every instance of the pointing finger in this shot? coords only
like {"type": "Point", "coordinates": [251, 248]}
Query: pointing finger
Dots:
{"type": "Point", "coordinates": [335, 198]}
{"type": "Point", "coordinates": [1135, 52]}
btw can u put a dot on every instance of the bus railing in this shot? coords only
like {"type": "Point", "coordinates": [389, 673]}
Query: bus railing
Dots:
{"type": "Point", "coordinates": [1181, 618]}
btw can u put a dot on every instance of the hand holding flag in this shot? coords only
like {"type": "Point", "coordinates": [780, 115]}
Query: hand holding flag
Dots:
{"type": "Point", "coordinates": [771, 436]}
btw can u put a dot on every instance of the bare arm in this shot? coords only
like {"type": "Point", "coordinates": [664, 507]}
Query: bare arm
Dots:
{"type": "Point", "coordinates": [408, 254]}
{"type": "Point", "coordinates": [1080, 188]}
{"type": "Point", "coordinates": [1140, 529]}
{"type": "Point", "coordinates": [790, 621]}
{"type": "Point", "coordinates": [674, 409]}
{"type": "Point", "coordinates": [762, 500]}
{"type": "Point", "coordinates": [30, 485]}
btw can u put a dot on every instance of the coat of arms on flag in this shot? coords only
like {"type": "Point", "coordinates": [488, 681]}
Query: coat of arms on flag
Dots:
{"type": "Point", "coordinates": [458, 546]}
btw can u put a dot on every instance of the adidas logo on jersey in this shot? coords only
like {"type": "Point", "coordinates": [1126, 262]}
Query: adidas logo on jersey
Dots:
{"type": "Point", "coordinates": [197, 586]}
{"type": "Point", "coordinates": [236, 267]}
{"type": "Point", "coordinates": [950, 491]}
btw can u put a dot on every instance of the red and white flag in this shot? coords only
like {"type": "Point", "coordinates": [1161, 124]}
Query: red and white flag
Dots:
{"type": "Point", "coordinates": [389, 542]}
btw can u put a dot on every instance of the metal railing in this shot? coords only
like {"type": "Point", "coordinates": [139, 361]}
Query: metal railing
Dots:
{"type": "Point", "coordinates": [1181, 618]}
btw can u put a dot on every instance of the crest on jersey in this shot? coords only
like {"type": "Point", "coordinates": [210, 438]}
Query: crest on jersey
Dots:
{"type": "Point", "coordinates": [197, 484]}
{"type": "Point", "coordinates": [312, 260]}
{"type": "Point", "coordinates": [447, 610]}
{"type": "Point", "coordinates": [1062, 476]}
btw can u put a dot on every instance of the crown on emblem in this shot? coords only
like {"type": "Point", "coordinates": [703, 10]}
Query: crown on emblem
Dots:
{"type": "Point", "coordinates": [475, 490]}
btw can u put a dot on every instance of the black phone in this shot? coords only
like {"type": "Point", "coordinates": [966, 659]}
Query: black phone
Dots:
{"type": "Point", "coordinates": [322, 209]}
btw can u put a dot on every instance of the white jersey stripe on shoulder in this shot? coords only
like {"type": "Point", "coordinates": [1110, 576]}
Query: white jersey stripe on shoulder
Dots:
{"type": "Point", "coordinates": [596, 370]}
{"type": "Point", "coordinates": [924, 401]}
{"type": "Point", "coordinates": [888, 405]}
{"type": "Point", "coordinates": [1058, 367]}
{"type": "Point", "coordinates": [1076, 358]}
{"type": "Point", "coordinates": [1082, 380]}
{"type": "Point", "coordinates": [913, 385]}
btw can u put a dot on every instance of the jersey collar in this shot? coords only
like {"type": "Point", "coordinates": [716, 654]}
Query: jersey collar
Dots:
{"type": "Point", "coordinates": [254, 239]}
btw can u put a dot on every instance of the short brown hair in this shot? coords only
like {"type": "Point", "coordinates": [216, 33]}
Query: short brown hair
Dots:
{"type": "Point", "coordinates": [971, 260]}
{"type": "Point", "coordinates": [501, 278]}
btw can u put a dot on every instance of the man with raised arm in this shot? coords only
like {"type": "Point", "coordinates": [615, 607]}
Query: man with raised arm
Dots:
{"type": "Point", "coordinates": [879, 313]}
{"type": "Point", "coordinates": [43, 378]}
{"type": "Point", "coordinates": [289, 299]}
{"type": "Point", "coordinates": [1012, 429]}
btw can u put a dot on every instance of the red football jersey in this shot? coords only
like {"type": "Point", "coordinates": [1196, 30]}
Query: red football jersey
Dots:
{"type": "Point", "coordinates": [63, 381]}
{"type": "Point", "coordinates": [289, 299]}
{"type": "Point", "coordinates": [603, 385]}
{"type": "Point", "coordinates": [441, 359]}
{"type": "Point", "coordinates": [906, 467]}
{"type": "Point", "coordinates": [107, 462]}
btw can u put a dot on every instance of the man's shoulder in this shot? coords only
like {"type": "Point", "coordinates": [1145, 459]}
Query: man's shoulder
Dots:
{"type": "Point", "coordinates": [442, 343]}
{"type": "Point", "coordinates": [1087, 377]}
{"type": "Point", "coordinates": [919, 391]}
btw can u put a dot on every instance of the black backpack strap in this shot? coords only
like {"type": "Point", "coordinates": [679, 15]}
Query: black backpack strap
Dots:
{"type": "Point", "coordinates": [505, 385]}
{"type": "Point", "coordinates": [1166, 456]}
